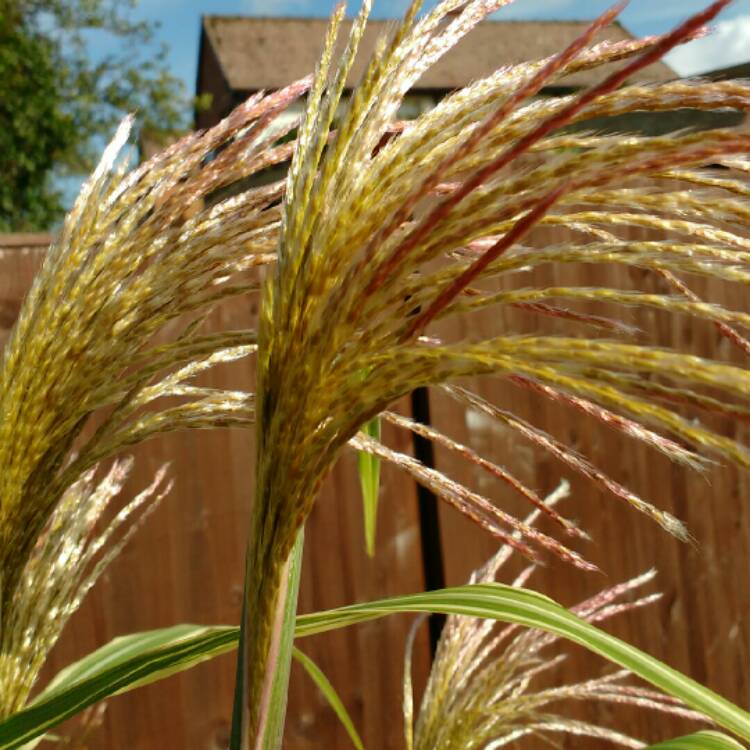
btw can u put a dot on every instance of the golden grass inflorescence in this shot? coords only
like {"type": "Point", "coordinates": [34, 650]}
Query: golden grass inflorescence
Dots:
{"type": "Point", "coordinates": [388, 228]}
{"type": "Point", "coordinates": [339, 304]}
{"type": "Point", "coordinates": [65, 563]}
{"type": "Point", "coordinates": [108, 341]}
{"type": "Point", "coordinates": [381, 231]}
{"type": "Point", "coordinates": [483, 689]}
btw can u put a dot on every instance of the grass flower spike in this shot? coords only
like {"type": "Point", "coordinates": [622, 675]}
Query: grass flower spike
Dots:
{"type": "Point", "coordinates": [139, 250]}
{"type": "Point", "coordinates": [108, 333]}
{"type": "Point", "coordinates": [390, 228]}
{"type": "Point", "coordinates": [381, 234]}
{"type": "Point", "coordinates": [480, 692]}
{"type": "Point", "coordinates": [66, 562]}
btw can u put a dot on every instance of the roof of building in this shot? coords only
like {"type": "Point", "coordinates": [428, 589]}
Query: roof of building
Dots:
{"type": "Point", "coordinates": [268, 53]}
{"type": "Point", "coordinates": [733, 71]}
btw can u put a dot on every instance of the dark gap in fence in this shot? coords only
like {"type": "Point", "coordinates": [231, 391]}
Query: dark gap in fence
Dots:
{"type": "Point", "coordinates": [429, 520]}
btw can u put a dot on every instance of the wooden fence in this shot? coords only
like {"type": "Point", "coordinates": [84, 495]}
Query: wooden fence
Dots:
{"type": "Point", "coordinates": [185, 564]}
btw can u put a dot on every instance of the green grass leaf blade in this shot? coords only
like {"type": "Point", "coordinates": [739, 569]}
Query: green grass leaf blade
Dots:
{"type": "Point", "coordinates": [706, 740]}
{"type": "Point", "coordinates": [330, 694]}
{"type": "Point", "coordinates": [119, 650]}
{"type": "Point", "coordinates": [123, 664]}
{"type": "Point", "coordinates": [369, 480]}
{"type": "Point", "coordinates": [275, 726]}
{"type": "Point", "coordinates": [136, 660]}
{"type": "Point", "coordinates": [516, 605]}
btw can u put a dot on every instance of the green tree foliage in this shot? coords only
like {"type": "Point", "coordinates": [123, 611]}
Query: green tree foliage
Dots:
{"type": "Point", "coordinates": [69, 71]}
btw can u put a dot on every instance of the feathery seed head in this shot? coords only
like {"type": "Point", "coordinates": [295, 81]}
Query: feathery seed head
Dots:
{"type": "Point", "coordinates": [138, 250]}
{"type": "Point", "coordinates": [380, 234]}
{"type": "Point", "coordinates": [65, 563]}
{"type": "Point", "coordinates": [390, 229]}
{"type": "Point", "coordinates": [483, 688]}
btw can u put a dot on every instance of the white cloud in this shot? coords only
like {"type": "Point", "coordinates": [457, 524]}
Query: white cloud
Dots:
{"type": "Point", "coordinates": [729, 44]}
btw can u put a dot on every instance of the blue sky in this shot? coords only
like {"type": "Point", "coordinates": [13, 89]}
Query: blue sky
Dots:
{"type": "Point", "coordinates": [729, 45]}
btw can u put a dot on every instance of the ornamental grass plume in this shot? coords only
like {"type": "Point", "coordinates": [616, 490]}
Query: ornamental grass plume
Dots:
{"type": "Point", "coordinates": [388, 228]}
{"type": "Point", "coordinates": [481, 692]}
{"type": "Point", "coordinates": [381, 231]}
{"type": "Point", "coordinates": [109, 330]}
{"type": "Point", "coordinates": [65, 563]}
